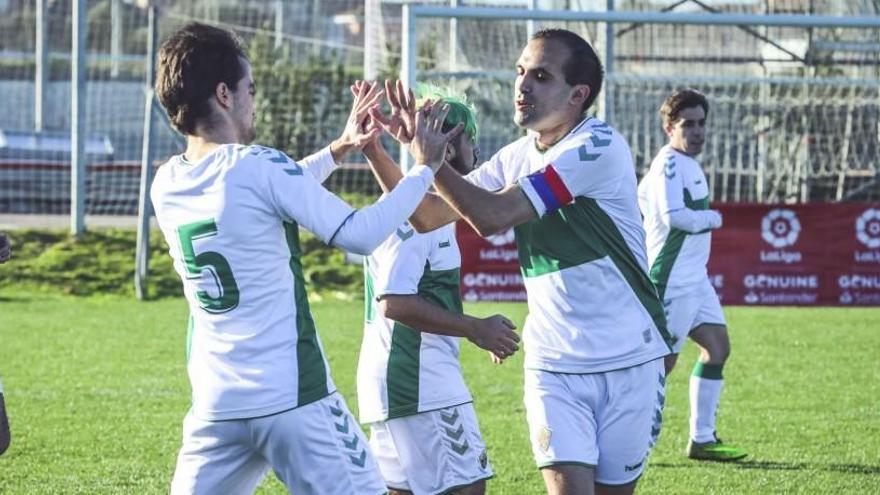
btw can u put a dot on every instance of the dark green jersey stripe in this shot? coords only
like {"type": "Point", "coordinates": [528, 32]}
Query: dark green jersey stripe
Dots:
{"type": "Point", "coordinates": [665, 260]}
{"type": "Point", "coordinates": [579, 233]}
{"type": "Point", "coordinates": [403, 371]}
{"type": "Point", "coordinates": [309, 358]}
{"type": "Point", "coordinates": [441, 287]}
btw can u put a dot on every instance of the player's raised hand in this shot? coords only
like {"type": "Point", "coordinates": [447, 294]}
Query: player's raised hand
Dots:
{"type": "Point", "coordinates": [400, 124]}
{"type": "Point", "coordinates": [429, 142]}
{"type": "Point", "coordinates": [495, 334]}
{"type": "Point", "coordinates": [356, 133]}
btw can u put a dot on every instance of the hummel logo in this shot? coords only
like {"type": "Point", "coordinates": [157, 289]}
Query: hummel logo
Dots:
{"type": "Point", "coordinates": [449, 419]}
{"type": "Point", "coordinates": [444, 244]}
{"type": "Point", "coordinates": [634, 466]}
{"type": "Point", "coordinates": [699, 182]}
{"type": "Point", "coordinates": [359, 460]}
{"type": "Point", "coordinates": [586, 156]}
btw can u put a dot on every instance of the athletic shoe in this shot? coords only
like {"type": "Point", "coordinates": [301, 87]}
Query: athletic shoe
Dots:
{"type": "Point", "coordinates": [714, 451]}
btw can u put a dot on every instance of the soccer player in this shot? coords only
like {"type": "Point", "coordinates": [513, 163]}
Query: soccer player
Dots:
{"type": "Point", "coordinates": [674, 199]}
{"type": "Point", "coordinates": [423, 427]}
{"type": "Point", "coordinates": [262, 395]}
{"type": "Point", "coordinates": [595, 334]}
{"type": "Point", "coordinates": [5, 435]}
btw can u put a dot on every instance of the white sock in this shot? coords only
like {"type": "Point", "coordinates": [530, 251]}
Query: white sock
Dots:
{"type": "Point", "coordinates": [705, 393]}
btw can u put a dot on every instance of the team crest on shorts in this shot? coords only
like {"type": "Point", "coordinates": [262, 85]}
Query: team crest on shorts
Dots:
{"type": "Point", "coordinates": [543, 438]}
{"type": "Point", "coordinates": [484, 459]}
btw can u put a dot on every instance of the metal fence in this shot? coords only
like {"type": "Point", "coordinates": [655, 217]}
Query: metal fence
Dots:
{"type": "Point", "coordinates": [794, 117]}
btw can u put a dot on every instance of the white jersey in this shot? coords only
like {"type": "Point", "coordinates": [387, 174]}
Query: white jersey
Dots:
{"type": "Point", "coordinates": [402, 371]}
{"type": "Point", "coordinates": [232, 226]}
{"type": "Point", "coordinates": [677, 258]}
{"type": "Point", "coordinates": [592, 307]}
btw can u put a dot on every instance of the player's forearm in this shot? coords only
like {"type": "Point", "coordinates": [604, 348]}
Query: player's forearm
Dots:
{"type": "Point", "coordinates": [339, 149]}
{"type": "Point", "coordinates": [487, 212]}
{"type": "Point", "coordinates": [320, 164]}
{"type": "Point", "coordinates": [366, 228]}
{"type": "Point", "coordinates": [432, 212]}
{"type": "Point", "coordinates": [693, 221]}
{"type": "Point", "coordinates": [384, 169]}
{"type": "Point", "coordinates": [424, 316]}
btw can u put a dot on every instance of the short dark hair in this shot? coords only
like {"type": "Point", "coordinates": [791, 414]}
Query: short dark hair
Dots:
{"type": "Point", "coordinates": [192, 62]}
{"type": "Point", "coordinates": [583, 65]}
{"type": "Point", "coordinates": [678, 101]}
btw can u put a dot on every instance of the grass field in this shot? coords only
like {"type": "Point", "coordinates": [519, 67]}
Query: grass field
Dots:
{"type": "Point", "coordinates": [96, 391]}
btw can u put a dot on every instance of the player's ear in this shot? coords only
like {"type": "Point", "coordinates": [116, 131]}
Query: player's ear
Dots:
{"type": "Point", "coordinates": [223, 94]}
{"type": "Point", "coordinates": [579, 94]}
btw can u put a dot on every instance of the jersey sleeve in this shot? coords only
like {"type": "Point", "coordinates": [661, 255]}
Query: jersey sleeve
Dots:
{"type": "Point", "coordinates": [488, 175]}
{"type": "Point", "coordinates": [297, 196]}
{"type": "Point", "coordinates": [669, 184]}
{"type": "Point", "coordinates": [588, 167]}
{"type": "Point", "coordinates": [320, 164]}
{"type": "Point", "coordinates": [401, 262]}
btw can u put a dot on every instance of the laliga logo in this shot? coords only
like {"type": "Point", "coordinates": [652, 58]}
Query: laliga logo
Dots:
{"type": "Point", "coordinates": [780, 228]}
{"type": "Point", "coordinates": [503, 238]}
{"type": "Point", "coordinates": [868, 228]}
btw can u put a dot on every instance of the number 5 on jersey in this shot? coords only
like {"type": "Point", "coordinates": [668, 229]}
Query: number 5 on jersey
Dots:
{"type": "Point", "coordinates": [211, 261]}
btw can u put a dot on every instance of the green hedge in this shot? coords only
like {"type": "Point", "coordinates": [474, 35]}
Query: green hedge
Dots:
{"type": "Point", "coordinates": [102, 262]}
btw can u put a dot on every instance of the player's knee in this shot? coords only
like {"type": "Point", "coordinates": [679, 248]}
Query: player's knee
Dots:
{"type": "Point", "coordinates": [719, 351]}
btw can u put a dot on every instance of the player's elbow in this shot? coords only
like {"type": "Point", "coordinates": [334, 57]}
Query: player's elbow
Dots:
{"type": "Point", "coordinates": [420, 225]}
{"type": "Point", "coordinates": [390, 308]}
{"type": "Point", "coordinates": [487, 227]}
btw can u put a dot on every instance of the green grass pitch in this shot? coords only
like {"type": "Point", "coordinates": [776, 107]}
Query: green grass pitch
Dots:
{"type": "Point", "coordinates": [96, 391]}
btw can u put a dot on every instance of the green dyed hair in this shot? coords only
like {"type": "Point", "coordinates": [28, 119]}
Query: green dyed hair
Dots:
{"type": "Point", "coordinates": [460, 109]}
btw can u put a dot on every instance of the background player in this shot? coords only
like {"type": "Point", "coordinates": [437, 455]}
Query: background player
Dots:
{"type": "Point", "coordinates": [595, 333]}
{"type": "Point", "coordinates": [261, 389]}
{"type": "Point", "coordinates": [674, 199]}
{"type": "Point", "coordinates": [423, 427]}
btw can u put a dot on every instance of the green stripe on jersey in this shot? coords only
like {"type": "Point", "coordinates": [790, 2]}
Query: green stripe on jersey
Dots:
{"type": "Point", "coordinates": [403, 371]}
{"type": "Point", "coordinates": [309, 358]}
{"type": "Point", "coordinates": [579, 233]}
{"type": "Point", "coordinates": [662, 267]}
{"type": "Point", "coordinates": [369, 293]}
{"type": "Point", "coordinates": [440, 287]}
{"type": "Point", "coordinates": [189, 335]}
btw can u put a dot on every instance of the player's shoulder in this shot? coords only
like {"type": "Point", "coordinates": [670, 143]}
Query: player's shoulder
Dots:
{"type": "Point", "coordinates": [406, 235]}
{"type": "Point", "coordinates": [594, 140]}
{"type": "Point", "coordinates": [255, 155]}
{"type": "Point", "coordinates": [256, 160]}
{"type": "Point", "coordinates": [516, 148]}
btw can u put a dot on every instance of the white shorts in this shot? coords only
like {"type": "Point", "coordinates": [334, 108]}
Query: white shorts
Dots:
{"type": "Point", "coordinates": [687, 311]}
{"type": "Point", "coordinates": [608, 421]}
{"type": "Point", "coordinates": [317, 448]}
{"type": "Point", "coordinates": [431, 452]}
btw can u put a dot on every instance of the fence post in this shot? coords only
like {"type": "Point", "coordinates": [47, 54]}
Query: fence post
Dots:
{"type": "Point", "coordinates": [41, 66]}
{"type": "Point", "coordinates": [145, 207]}
{"type": "Point", "coordinates": [77, 118]}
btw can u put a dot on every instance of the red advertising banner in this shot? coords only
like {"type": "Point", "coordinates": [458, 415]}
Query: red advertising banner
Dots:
{"type": "Point", "coordinates": [801, 255]}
